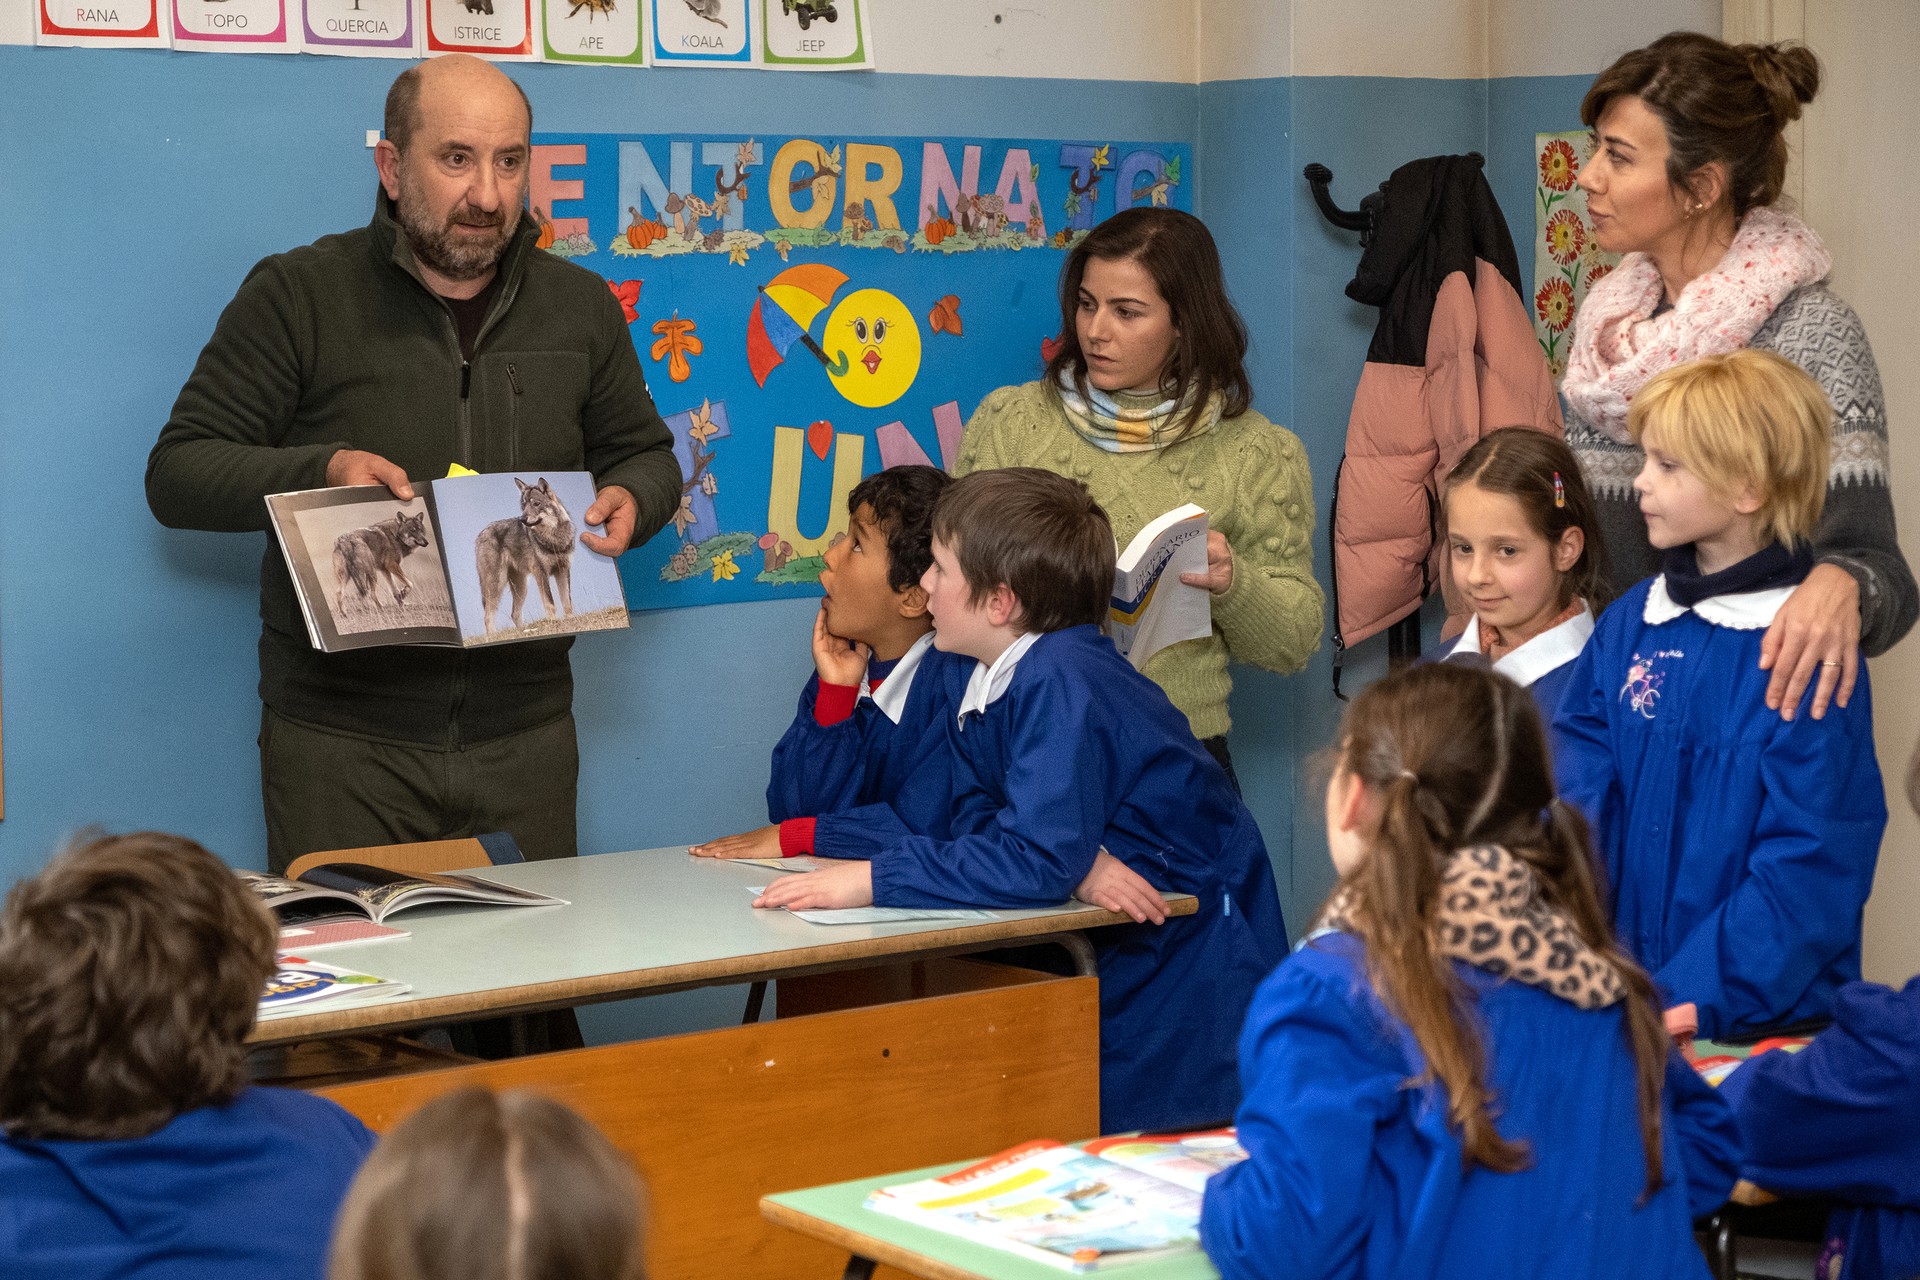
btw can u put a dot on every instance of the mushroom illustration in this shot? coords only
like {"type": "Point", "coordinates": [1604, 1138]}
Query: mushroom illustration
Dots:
{"type": "Point", "coordinates": [675, 208]}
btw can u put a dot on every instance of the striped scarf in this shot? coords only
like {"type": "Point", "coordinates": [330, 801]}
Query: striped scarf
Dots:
{"type": "Point", "coordinates": [1106, 423]}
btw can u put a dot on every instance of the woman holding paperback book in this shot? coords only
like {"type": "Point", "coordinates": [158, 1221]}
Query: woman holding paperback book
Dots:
{"type": "Point", "coordinates": [1146, 401]}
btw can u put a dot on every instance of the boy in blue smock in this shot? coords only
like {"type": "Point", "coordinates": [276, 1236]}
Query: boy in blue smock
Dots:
{"type": "Point", "coordinates": [865, 761]}
{"type": "Point", "coordinates": [1075, 776]}
{"type": "Point", "coordinates": [130, 973]}
{"type": "Point", "coordinates": [1738, 844]}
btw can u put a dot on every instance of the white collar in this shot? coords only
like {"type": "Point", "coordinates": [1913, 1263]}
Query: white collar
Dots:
{"type": "Point", "coordinates": [988, 683]}
{"type": "Point", "coordinates": [1740, 610]}
{"type": "Point", "coordinates": [1550, 650]}
{"type": "Point", "coordinates": [892, 698]}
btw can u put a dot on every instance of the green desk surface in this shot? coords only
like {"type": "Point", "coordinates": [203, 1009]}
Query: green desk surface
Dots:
{"type": "Point", "coordinates": [837, 1215]}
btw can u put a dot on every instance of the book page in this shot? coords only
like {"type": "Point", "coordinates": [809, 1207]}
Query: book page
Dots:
{"type": "Point", "coordinates": [366, 567]}
{"type": "Point", "coordinates": [1151, 607]}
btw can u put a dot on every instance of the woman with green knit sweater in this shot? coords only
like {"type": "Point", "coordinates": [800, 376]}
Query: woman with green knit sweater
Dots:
{"type": "Point", "coordinates": [1146, 401]}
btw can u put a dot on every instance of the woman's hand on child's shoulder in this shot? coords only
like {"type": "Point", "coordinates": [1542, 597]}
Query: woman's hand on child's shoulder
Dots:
{"type": "Point", "coordinates": [761, 842]}
{"type": "Point", "coordinates": [1814, 639]}
{"type": "Point", "coordinates": [1115, 886]}
{"type": "Point", "coordinates": [847, 885]}
{"type": "Point", "coordinates": [839, 661]}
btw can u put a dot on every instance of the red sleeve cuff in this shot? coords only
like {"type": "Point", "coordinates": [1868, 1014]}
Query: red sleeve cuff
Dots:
{"type": "Point", "coordinates": [833, 703]}
{"type": "Point", "coordinates": [796, 837]}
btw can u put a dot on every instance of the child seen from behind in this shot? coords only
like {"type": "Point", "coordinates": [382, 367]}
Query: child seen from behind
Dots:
{"type": "Point", "coordinates": [1738, 844]}
{"type": "Point", "coordinates": [1075, 774]}
{"type": "Point", "coordinates": [1459, 1073]}
{"type": "Point", "coordinates": [865, 760]}
{"type": "Point", "coordinates": [1525, 556]}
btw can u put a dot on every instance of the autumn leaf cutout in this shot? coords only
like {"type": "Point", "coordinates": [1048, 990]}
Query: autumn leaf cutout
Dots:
{"type": "Point", "coordinates": [945, 316]}
{"type": "Point", "coordinates": [628, 292]}
{"type": "Point", "coordinates": [675, 344]}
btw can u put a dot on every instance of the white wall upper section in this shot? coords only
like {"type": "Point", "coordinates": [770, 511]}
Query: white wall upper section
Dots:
{"type": "Point", "coordinates": [1577, 38]}
{"type": "Point", "coordinates": [16, 21]}
{"type": "Point", "coordinates": [1070, 39]}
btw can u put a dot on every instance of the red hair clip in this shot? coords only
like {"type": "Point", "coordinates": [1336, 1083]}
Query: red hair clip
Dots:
{"type": "Point", "coordinates": [1559, 491]}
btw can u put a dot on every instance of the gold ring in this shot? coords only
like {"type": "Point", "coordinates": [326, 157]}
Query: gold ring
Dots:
{"type": "Point", "coordinates": [1830, 664]}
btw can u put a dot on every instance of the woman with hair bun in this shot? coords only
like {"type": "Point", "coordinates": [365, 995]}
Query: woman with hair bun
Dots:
{"type": "Point", "coordinates": [1688, 162]}
{"type": "Point", "coordinates": [1146, 401]}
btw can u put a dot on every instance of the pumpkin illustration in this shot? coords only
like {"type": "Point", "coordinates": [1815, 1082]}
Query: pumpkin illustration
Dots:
{"type": "Point", "coordinates": [546, 229]}
{"type": "Point", "coordinates": [639, 234]}
{"type": "Point", "coordinates": [939, 229]}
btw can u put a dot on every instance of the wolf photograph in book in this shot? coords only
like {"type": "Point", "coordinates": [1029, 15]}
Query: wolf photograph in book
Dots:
{"type": "Point", "coordinates": [378, 566]}
{"type": "Point", "coordinates": [537, 544]}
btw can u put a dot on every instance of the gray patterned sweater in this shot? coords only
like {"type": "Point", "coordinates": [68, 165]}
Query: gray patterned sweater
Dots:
{"type": "Point", "coordinates": [1820, 333]}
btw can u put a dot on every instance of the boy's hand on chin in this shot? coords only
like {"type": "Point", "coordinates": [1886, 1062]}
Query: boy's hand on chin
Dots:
{"type": "Point", "coordinates": [850, 885]}
{"type": "Point", "coordinates": [838, 661]}
{"type": "Point", "coordinates": [761, 842]}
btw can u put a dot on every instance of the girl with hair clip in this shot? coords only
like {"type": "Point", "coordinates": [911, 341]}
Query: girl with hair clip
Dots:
{"type": "Point", "coordinates": [1525, 552]}
{"type": "Point", "coordinates": [1146, 401]}
{"type": "Point", "coordinates": [1689, 158]}
{"type": "Point", "coordinates": [483, 1186]}
{"type": "Point", "coordinates": [1459, 1072]}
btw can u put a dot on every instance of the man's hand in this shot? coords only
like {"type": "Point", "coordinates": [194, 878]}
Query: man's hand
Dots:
{"type": "Point", "coordinates": [1118, 887]}
{"type": "Point", "coordinates": [1219, 575]}
{"type": "Point", "coordinates": [849, 885]}
{"type": "Point", "coordinates": [614, 507]}
{"type": "Point", "coordinates": [838, 661]}
{"type": "Point", "coordinates": [356, 466]}
{"type": "Point", "coordinates": [761, 842]}
{"type": "Point", "coordinates": [1816, 632]}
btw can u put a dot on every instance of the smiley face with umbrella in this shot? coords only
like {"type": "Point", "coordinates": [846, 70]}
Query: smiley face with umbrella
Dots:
{"type": "Point", "coordinates": [872, 352]}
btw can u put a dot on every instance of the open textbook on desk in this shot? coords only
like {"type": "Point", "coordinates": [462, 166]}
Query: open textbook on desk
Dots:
{"type": "Point", "coordinates": [336, 890]}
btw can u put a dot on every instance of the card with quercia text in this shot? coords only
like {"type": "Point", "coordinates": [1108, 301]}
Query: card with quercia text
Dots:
{"type": "Point", "coordinates": [101, 24]}
{"type": "Point", "coordinates": [236, 26]}
{"type": "Point", "coordinates": [498, 29]}
{"type": "Point", "coordinates": [700, 33]}
{"type": "Point", "coordinates": [360, 28]}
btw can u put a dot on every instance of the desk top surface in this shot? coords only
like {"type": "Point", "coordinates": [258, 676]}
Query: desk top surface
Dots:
{"type": "Point", "coordinates": [645, 920]}
{"type": "Point", "coordinates": [837, 1215]}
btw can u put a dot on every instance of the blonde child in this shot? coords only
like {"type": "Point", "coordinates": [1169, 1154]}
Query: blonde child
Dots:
{"type": "Point", "coordinates": [1459, 1073]}
{"type": "Point", "coordinates": [1524, 551]}
{"type": "Point", "coordinates": [1739, 844]}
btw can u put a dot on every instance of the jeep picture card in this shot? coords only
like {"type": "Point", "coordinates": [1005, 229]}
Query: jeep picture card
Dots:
{"type": "Point", "coordinates": [511, 545]}
{"type": "Point", "coordinates": [366, 566]}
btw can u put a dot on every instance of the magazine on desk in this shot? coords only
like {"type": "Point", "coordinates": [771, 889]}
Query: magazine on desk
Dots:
{"type": "Point", "coordinates": [470, 560]}
{"type": "Point", "coordinates": [344, 890]}
{"type": "Point", "coordinates": [1151, 608]}
{"type": "Point", "coordinates": [1078, 1209]}
{"type": "Point", "coordinates": [298, 985]}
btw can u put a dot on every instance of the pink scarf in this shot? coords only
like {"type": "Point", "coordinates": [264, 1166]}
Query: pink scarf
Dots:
{"type": "Point", "coordinates": [1618, 343]}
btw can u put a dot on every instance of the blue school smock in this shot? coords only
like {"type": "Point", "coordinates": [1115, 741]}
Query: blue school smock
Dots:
{"type": "Point", "coordinates": [245, 1191]}
{"type": "Point", "coordinates": [1841, 1118]}
{"type": "Point", "coordinates": [884, 772]}
{"type": "Point", "coordinates": [1352, 1172]}
{"type": "Point", "coordinates": [1738, 847]}
{"type": "Point", "coordinates": [1541, 666]}
{"type": "Point", "coordinates": [1080, 751]}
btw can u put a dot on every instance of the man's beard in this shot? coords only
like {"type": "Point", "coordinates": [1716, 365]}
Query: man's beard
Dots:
{"type": "Point", "coordinates": [440, 249]}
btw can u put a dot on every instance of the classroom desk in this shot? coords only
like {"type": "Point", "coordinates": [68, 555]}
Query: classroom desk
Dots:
{"type": "Point", "coordinates": [643, 922]}
{"type": "Point", "coordinates": [835, 1215]}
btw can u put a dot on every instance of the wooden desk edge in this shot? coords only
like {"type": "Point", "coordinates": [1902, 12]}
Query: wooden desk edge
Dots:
{"type": "Point", "coordinates": [859, 1244]}
{"type": "Point", "coordinates": [399, 1015]}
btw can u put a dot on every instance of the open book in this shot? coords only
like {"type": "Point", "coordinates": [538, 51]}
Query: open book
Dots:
{"type": "Point", "coordinates": [298, 985]}
{"type": "Point", "coordinates": [1076, 1209]}
{"type": "Point", "coordinates": [336, 889]}
{"type": "Point", "coordinates": [1151, 607]}
{"type": "Point", "coordinates": [470, 560]}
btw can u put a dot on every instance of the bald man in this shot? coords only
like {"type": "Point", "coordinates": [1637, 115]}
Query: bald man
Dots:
{"type": "Point", "coordinates": [436, 334]}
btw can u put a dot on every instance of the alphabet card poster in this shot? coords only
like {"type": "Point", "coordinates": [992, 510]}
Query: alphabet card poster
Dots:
{"type": "Point", "coordinates": [809, 310]}
{"type": "Point", "coordinates": [816, 35]}
{"type": "Point", "coordinates": [701, 33]}
{"type": "Point", "coordinates": [361, 28]}
{"type": "Point", "coordinates": [236, 26]}
{"type": "Point", "coordinates": [605, 31]}
{"type": "Point", "coordinates": [497, 29]}
{"type": "Point", "coordinates": [103, 24]}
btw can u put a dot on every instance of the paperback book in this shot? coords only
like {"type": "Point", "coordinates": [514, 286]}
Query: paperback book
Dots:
{"type": "Point", "coordinates": [346, 890]}
{"type": "Point", "coordinates": [1151, 607]}
{"type": "Point", "coordinates": [299, 985]}
{"type": "Point", "coordinates": [470, 560]}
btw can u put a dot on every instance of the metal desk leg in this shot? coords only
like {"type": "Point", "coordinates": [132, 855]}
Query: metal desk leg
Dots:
{"type": "Point", "coordinates": [1720, 1245]}
{"type": "Point", "coordinates": [858, 1268]}
{"type": "Point", "coordinates": [756, 997]}
{"type": "Point", "coordinates": [1081, 950]}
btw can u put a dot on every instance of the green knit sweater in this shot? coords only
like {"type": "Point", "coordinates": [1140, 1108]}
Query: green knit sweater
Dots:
{"type": "Point", "coordinates": [1252, 478]}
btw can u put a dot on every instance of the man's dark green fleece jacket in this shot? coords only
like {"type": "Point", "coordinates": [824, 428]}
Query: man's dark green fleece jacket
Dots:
{"type": "Point", "coordinates": [341, 345]}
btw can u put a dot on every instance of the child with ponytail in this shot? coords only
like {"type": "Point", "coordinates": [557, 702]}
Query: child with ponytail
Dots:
{"type": "Point", "coordinates": [1524, 548]}
{"type": "Point", "coordinates": [1459, 1073]}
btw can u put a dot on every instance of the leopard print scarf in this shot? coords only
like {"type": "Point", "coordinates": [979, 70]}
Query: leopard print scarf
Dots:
{"type": "Point", "coordinates": [1493, 917]}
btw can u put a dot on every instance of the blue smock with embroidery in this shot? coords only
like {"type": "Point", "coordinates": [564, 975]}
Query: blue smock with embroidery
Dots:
{"type": "Point", "coordinates": [1738, 847]}
{"type": "Point", "coordinates": [870, 780]}
{"type": "Point", "coordinates": [1352, 1173]}
{"type": "Point", "coordinates": [1841, 1118]}
{"type": "Point", "coordinates": [1081, 751]}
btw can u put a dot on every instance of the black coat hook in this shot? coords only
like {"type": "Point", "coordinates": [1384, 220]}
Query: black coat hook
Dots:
{"type": "Point", "coordinates": [1319, 177]}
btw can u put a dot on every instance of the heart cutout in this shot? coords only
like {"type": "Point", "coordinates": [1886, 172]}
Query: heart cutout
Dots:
{"type": "Point", "coordinates": [820, 438]}
{"type": "Point", "coordinates": [1047, 347]}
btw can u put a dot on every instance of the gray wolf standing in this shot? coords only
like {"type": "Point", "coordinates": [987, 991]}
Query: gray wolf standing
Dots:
{"type": "Point", "coordinates": [539, 542]}
{"type": "Point", "coordinates": [378, 548]}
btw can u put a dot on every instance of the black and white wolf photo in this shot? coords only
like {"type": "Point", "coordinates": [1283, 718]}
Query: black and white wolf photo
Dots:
{"type": "Point", "coordinates": [378, 566]}
{"type": "Point", "coordinates": [530, 576]}
{"type": "Point", "coordinates": [538, 544]}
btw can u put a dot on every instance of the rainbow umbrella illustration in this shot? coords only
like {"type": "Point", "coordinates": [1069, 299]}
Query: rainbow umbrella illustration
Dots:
{"type": "Point", "coordinates": [787, 304]}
